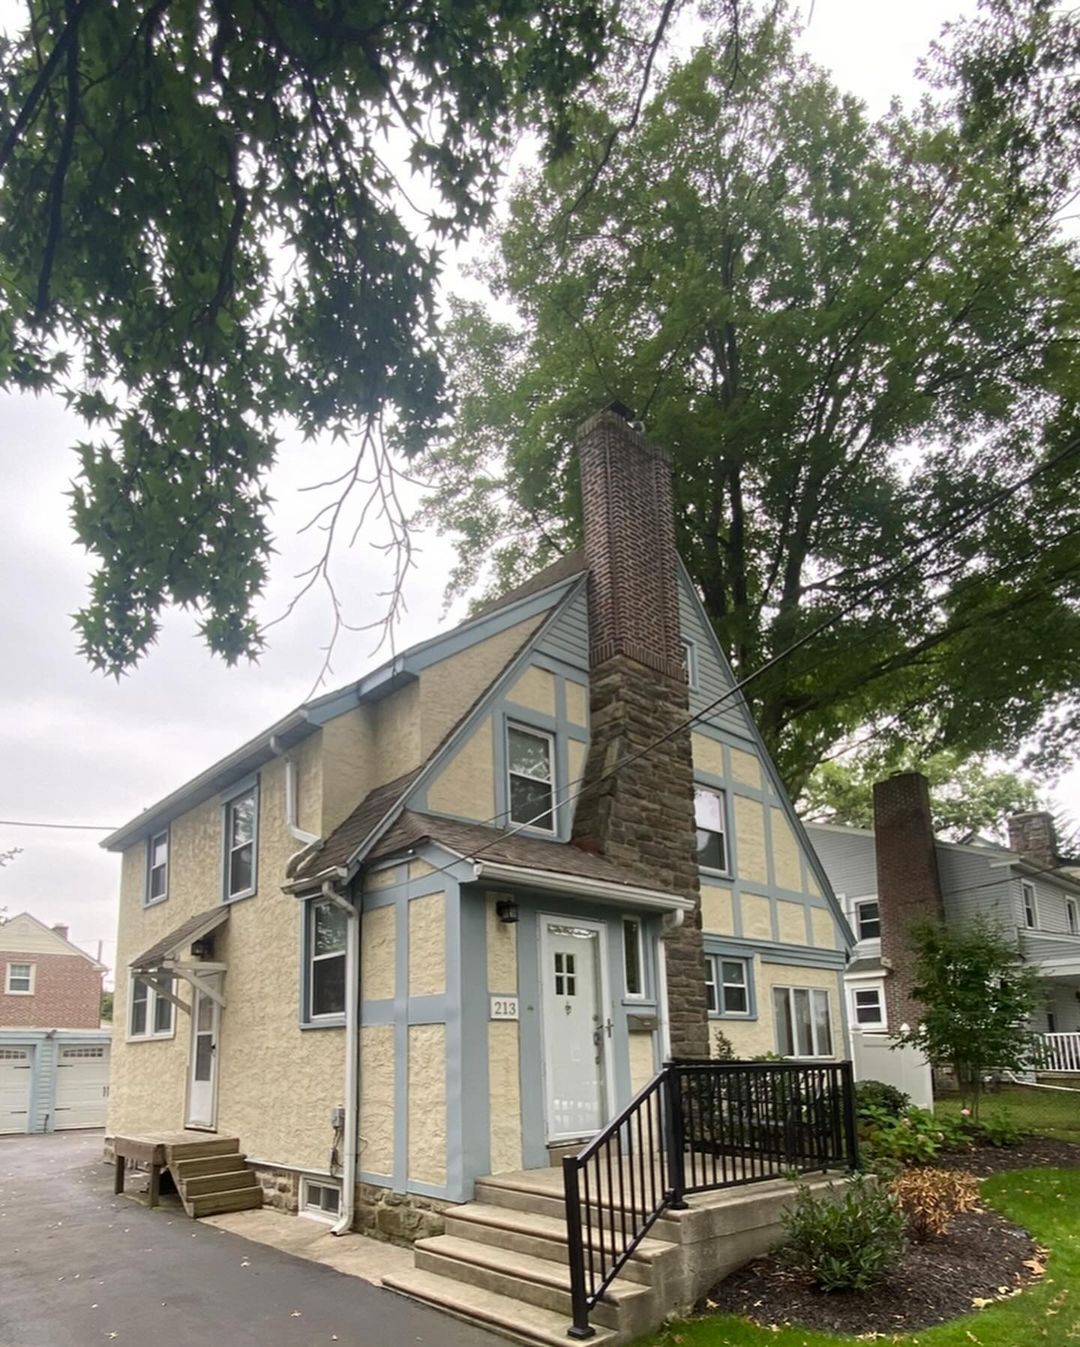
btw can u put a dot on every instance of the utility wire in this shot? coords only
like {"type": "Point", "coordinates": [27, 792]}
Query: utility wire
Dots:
{"type": "Point", "coordinates": [77, 827]}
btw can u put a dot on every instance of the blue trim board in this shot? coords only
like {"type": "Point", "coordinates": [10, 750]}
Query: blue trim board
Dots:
{"type": "Point", "coordinates": [773, 952]}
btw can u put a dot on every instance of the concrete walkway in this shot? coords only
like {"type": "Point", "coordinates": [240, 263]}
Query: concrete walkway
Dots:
{"type": "Point", "coordinates": [79, 1267]}
{"type": "Point", "coordinates": [353, 1255]}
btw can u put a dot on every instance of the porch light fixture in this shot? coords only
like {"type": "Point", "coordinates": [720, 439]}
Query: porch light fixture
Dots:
{"type": "Point", "coordinates": [506, 909]}
{"type": "Point", "coordinates": [202, 949]}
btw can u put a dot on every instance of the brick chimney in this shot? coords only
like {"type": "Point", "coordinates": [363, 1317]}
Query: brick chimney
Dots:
{"type": "Point", "coordinates": [61, 930]}
{"type": "Point", "coordinates": [642, 818]}
{"type": "Point", "coordinates": [1034, 836]}
{"type": "Point", "coordinates": [909, 889]}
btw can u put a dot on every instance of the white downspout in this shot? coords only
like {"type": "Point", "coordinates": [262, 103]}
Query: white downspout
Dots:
{"type": "Point", "coordinates": [292, 808]}
{"type": "Point", "coordinates": [352, 1058]}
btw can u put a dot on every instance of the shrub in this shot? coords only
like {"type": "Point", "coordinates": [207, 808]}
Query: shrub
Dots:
{"type": "Point", "coordinates": [930, 1198]}
{"type": "Point", "coordinates": [913, 1139]}
{"type": "Point", "coordinates": [878, 1095]}
{"type": "Point", "coordinates": [844, 1244]}
{"type": "Point", "coordinates": [722, 1050]}
{"type": "Point", "coordinates": [997, 1130]}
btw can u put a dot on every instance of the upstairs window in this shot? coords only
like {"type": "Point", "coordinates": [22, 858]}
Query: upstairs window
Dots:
{"type": "Point", "coordinates": [710, 810]}
{"type": "Point", "coordinates": [1031, 910]}
{"type": "Point", "coordinates": [868, 920]}
{"type": "Point", "coordinates": [1072, 919]}
{"type": "Point", "coordinates": [20, 979]}
{"type": "Point", "coordinates": [689, 659]}
{"type": "Point", "coordinates": [157, 871]}
{"type": "Point", "coordinates": [326, 952]}
{"type": "Point", "coordinates": [241, 837]}
{"type": "Point", "coordinates": [530, 763]}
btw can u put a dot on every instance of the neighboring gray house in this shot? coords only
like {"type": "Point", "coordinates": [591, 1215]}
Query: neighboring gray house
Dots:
{"type": "Point", "coordinates": [893, 870]}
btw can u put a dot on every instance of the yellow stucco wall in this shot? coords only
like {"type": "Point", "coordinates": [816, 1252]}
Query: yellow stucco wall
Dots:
{"type": "Point", "coordinates": [708, 754]}
{"type": "Point", "coordinates": [750, 848]}
{"type": "Point", "coordinates": [786, 864]}
{"type": "Point", "coordinates": [824, 928]}
{"type": "Point", "coordinates": [504, 1067]}
{"type": "Point", "coordinates": [750, 1038]}
{"type": "Point", "coordinates": [576, 754]}
{"type": "Point", "coordinates": [260, 1033]}
{"type": "Point", "coordinates": [449, 688]}
{"type": "Point", "coordinates": [716, 911]}
{"type": "Point", "coordinates": [745, 768]}
{"type": "Point", "coordinates": [377, 1098]}
{"type": "Point", "coordinates": [534, 688]}
{"type": "Point", "coordinates": [756, 914]}
{"type": "Point", "coordinates": [791, 922]}
{"type": "Point", "coordinates": [397, 735]}
{"type": "Point", "coordinates": [378, 943]}
{"type": "Point", "coordinates": [427, 945]}
{"type": "Point", "coordinates": [501, 950]}
{"type": "Point", "coordinates": [466, 785]}
{"type": "Point", "coordinates": [577, 703]}
{"type": "Point", "coordinates": [427, 1103]}
{"type": "Point", "coordinates": [348, 753]}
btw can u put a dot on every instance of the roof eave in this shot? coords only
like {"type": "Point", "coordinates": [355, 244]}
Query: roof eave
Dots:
{"type": "Point", "coordinates": [600, 890]}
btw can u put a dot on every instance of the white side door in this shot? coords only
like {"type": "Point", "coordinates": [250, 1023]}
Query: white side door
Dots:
{"type": "Point", "coordinates": [82, 1085]}
{"type": "Point", "coordinates": [203, 1062]}
{"type": "Point", "coordinates": [576, 1030]}
{"type": "Point", "coordinates": [15, 1073]}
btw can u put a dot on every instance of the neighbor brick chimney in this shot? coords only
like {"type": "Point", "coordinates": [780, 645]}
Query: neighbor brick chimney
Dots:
{"type": "Point", "coordinates": [909, 889]}
{"type": "Point", "coordinates": [60, 929]}
{"type": "Point", "coordinates": [642, 818]}
{"type": "Point", "coordinates": [1034, 836]}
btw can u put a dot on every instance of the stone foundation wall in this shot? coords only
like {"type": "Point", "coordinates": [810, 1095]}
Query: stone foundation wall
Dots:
{"type": "Point", "coordinates": [398, 1218]}
{"type": "Point", "coordinates": [281, 1188]}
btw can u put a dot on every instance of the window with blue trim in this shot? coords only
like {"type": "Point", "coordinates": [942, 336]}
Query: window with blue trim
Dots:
{"type": "Point", "coordinates": [157, 868]}
{"type": "Point", "coordinates": [530, 764]}
{"type": "Point", "coordinates": [728, 986]}
{"type": "Point", "coordinates": [710, 819]}
{"type": "Point", "coordinates": [324, 958]}
{"type": "Point", "coordinates": [241, 844]}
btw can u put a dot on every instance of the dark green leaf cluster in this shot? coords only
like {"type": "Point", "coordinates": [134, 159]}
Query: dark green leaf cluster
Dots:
{"type": "Point", "coordinates": [198, 204]}
{"type": "Point", "coordinates": [846, 1242]}
{"type": "Point", "coordinates": [848, 332]}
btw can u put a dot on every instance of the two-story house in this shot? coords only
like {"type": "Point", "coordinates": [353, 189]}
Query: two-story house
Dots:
{"type": "Point", "coordinates": [445, 922]}
{"type": "Point", "coordinates": [898, 871]}
{"type": "Point", "coordinates": [54, 1054]}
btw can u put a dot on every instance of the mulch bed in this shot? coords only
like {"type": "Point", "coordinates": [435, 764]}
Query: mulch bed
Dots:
{"type": "Point", "coordinates": [983, 1258]}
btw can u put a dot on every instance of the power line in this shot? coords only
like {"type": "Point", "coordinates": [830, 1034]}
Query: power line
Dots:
{"type": "Point", "coordinates": [76, 827]}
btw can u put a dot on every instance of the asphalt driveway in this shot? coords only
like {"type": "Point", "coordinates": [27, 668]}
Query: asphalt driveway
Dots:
{"type": "Point", "coordinates": [79, 1267]}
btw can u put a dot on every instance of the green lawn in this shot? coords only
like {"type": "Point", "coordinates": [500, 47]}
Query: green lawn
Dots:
{"type": "Point", "coordinates": [1048, 1112]}
{"type": "Point", "coordinates": [1044, 1201]}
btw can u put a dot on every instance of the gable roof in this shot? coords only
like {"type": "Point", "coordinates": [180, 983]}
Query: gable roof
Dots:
{"type": "Point", "coordinates": [566, 568]}
{"type": "Point", "coordinates": [173, 944]}
{"type": "Point", "coordinates": [53, 937]}
{"type": "Point", "coordinates": [351, 834]}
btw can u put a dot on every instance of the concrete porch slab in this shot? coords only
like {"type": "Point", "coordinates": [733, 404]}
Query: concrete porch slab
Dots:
{"type": "Point", "coordinates": [354, 1255]}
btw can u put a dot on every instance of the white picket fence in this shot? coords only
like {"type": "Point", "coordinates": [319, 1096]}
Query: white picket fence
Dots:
{"type": "Point", "coordinates": [1061, 1053]}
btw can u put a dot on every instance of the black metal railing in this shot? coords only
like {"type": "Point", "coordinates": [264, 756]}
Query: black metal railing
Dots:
{"type": "Point", "coordinates": [695, 1128]}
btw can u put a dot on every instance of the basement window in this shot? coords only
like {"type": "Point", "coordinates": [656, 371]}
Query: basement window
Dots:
{"type": "Point", "coordinates": [320, 1199]}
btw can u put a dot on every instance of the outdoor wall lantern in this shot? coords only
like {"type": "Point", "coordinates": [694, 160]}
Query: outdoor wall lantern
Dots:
{"type": "Point", "coordinates": [202, 949]}
{"type": "Point", "coordinates": [506, 909]}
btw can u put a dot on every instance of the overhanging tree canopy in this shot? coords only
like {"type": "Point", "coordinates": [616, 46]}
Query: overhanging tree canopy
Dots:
{"type": "Point", "coordinates": [847, 332]}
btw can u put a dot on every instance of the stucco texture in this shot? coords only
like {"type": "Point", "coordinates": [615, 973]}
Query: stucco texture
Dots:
{"type": "Point", "coordinates": [577, 703]}
{"type": "Point", "coordinates": [377, 1099]}
{"type": "Point", "coordinates": [786, 860]}
{"type": "Point", "coordinates": [750, 1038]}
{"type": "Point", "coordinates": [716, 910]}
{"type": "Point", "coordinates": [534, 689]}
{"type": "Point", "coordinates": [427, 945]}
{"type": "Point", "coordinates": [378, 943]}
{"type": "Point", "coordinates": [504, 1094]}
{"type": "Point", "coordinates": [708, 755]}
{"type": "Point", "coordinates": [642, 1061]}
{"type": "Point", "coordinates": [427, 1103]}
{"type": "Point", "coordinates": [750, 850]}
{"type": "Point", "coordinates": [465, 787]}
{"type": "Point", "coordinates": [756, 913]}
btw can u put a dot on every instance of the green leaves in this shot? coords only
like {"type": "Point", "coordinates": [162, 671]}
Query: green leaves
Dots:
{"type": "Point", "coordinates": [197, 198]}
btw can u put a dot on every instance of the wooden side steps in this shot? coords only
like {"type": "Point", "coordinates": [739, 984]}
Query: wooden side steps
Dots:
{"type": "Point", "coordinates": [211, 1176]}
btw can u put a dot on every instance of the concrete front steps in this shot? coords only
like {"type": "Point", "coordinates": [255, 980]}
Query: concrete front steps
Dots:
{"type": "Point", "coordinates": [503, 1262]}
{"type": "Point", "coordinates": [211, 1176]}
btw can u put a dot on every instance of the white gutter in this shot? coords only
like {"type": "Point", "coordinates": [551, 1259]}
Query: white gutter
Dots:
{"type": "Point", "coordinates": [292, 807]}
{"type": "Point", "coordinates": [352, 1057]}
{"type": "Point", "coordinates": [601, 890]}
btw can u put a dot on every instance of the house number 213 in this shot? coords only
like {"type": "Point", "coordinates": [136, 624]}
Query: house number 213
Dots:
{"type": "Point", "coordinates": [504, 1007]}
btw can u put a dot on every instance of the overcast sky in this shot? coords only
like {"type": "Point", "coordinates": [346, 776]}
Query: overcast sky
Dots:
{"type": "Point", "coordinates": [77, 748]}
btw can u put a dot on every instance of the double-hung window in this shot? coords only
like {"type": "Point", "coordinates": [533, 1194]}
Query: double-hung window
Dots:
{"type": "Point", "coordinates": [803, 1021]}
{"type": "Point", "coordinates": [710, 818]}
{"type": "Point", "coordinates": [241, 842]}
{"type": "Point", "coordinates": [1072, 919]}
{"type": "Point", "coordinates": [530, 759]}
{"type": "Point", "coordinates": [727, 985]}
{"type": "Point", "coordinates": [868, 1007]}
{"type": "Point", "coordinates": [150, 1015]}
{"type": "Point", "coordinates": [20, 979]}
{"type": "Point", "coordinates": [1031, 908]}
{"type": "Point", "coordinates": [326, 937]}
{"type": "Point", "coordinates": [157, 868]}
{"type": "Point", "coordinates": [689, 659]}
{"type": "Point", "coordinates": [868, 919]}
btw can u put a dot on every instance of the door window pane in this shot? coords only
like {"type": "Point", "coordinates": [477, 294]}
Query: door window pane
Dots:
{"type": "Point", "coordinates": [635, 984]}
{"type": "Point", "coordinates": [204, 1054]}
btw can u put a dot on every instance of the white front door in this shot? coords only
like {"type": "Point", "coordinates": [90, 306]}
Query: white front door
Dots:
{"type": "Point", "coordinates": [576, 1029]}
{"type": "Point", "coordinates": [202, 1070]}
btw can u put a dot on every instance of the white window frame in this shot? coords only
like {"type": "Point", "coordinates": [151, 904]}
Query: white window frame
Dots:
{"type": "Point", "coordinates": [724, 834]}
{"type": "Point", "coordinates": [816, 1055]}
{"type": "Point", "coordinates": [641, 993]}
{"type": "Point", "coordinates": [549, 738]}
{"type": "Point", "coordinates": [31, 978]}
{"type": "Point", "coordinates": [152, 999]}
{"type": "Point", "coordinates": [861, 903]}
{"type": "Point", "coordinates": [714, 983]}
{"type": "Point", "coordinates": [1072, 916]}
{"type": "Point", "coordinates": [690, 660]}
{"type": "Point", "coordinates": [149, 899]}
{"type": "Point", "coordinates": [227, 845]}
{"type": "Point", "coordinates": [1030, 899]}
{"type": "Point", "coordinates": [311, 958]}
{"type": "Point", "coordinates": [879, 991]}
{"type": "Point", "coordinates": [316, 1212]}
